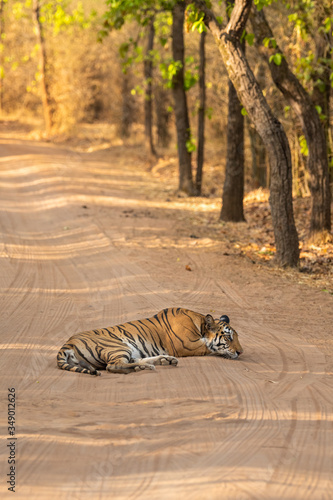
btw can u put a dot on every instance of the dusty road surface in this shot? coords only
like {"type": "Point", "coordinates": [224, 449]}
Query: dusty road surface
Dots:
{"type": "Point", "coordinates": [85, 245]}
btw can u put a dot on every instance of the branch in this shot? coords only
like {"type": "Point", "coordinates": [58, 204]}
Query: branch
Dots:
{"type": "Point", "coordinates": [238, 18]}
{"type": "Point", "coordinates": [236, 24]}
{"type": "Point", "coordinates": [210, 19]}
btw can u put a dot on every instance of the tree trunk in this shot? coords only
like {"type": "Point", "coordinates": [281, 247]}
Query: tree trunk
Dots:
{"type": "Point", "coordinates": [201, 114]}
{"type": "Point", "coordinates": [2, 35]}
{"type": "Point", "coordinates": [314, 134]}
{"type": "Point", "coordinates": [148, 73]}
{"type": "Point", "coordinates": [322, 96]}
{"type": "Point", "coordinates": [42, 67]}
{"type": "Point", "coordinates": [162, 114]}
{"type": "Point", "coordinates": [268, 127]}
{"type": "Point", "coordinates": [258, 154]}
{"type": "Point", "coordinates": [180, 102]}
{"type": "Point", "coordinates": [233, 189]}
{"type": "Point", "coordinates": [127, 115]}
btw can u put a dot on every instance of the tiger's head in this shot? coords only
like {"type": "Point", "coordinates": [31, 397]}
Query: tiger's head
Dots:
{"type": "Point", "coordinates": [221, 338]}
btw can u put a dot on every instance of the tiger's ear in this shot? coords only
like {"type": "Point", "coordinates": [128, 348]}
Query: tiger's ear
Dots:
{"type": "Point", "coordinates": [225, 318]}
{"type": "Point", "coordinates": [209, 322]}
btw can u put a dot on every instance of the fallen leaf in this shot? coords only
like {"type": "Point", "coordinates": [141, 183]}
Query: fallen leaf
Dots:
{"type": "Point", "coordinates": [188, 268]}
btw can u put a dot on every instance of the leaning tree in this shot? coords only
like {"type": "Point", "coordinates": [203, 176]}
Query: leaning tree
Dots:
{"type": "Point", "coordinates": [228, 40]}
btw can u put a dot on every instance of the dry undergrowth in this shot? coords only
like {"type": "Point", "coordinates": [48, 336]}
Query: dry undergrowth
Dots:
{"type": "Point", "coordinates": [254, 239]}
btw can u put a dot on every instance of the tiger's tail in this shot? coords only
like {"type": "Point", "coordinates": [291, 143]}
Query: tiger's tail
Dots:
{"type": "Point", "coordinates": [66, 360]}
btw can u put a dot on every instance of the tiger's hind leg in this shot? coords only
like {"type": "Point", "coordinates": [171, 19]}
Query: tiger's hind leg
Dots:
{"type": "Point", "coordinates": [67, 360]}
{"type": "Point", "coordinates": [128, 367]}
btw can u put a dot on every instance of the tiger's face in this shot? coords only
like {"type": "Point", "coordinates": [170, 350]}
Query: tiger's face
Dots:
{"type": "Point", "coordinates": [221, 338]}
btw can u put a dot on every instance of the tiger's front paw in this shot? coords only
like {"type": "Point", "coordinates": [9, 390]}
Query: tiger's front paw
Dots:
{"type": "Point", "coordinates": [168, 360]}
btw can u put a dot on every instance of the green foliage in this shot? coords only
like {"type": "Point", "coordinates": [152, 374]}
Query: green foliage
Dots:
{"type": "Point", "coordinates": [260, 4]}
{"type": "Point", "coordinates": [244, 112]}
{"type": "Point", "coordinates": [195, 19]}
{"type": "Point", "coordinates": [328, 24]}
{"type": "Point", "coordinates": [168, 70]}
{"type": "Point", "coordinates": [190, 144]}
{"type": "Point", "coordinates": [270, 43]}
{"type": "Point", "coordinates": [138, 90]}
{"type": "Point", "coordinates": [191, 74]}
{"type": "Point", "coordinates": [120, 11]}
{"type": "Point", "coordinates": [310, 19]}
{"type": "Point", "coordinates": [276, 58]}
{"type": "Point", "coordinates": [229, 7]}
{"type": "Point", "coordinates": [56, 14]}
{"type": "Point", "coordinates": [303, 145]}
{"type": "Point", "coordinates": [305, 67]}
{"type": "Point", "coordinates": [209, 112]}
{"type": "Point", "coordinates": [320, 113]}
{"type": "Point", "coordinates": [248, 37]}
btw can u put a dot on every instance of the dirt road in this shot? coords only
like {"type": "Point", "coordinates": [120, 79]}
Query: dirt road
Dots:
{"type": "Point", "coordinates": [84, 245]}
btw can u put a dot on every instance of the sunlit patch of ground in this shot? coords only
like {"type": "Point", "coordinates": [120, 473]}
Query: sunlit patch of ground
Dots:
{"type": "Point", "coordinates": [197, 223]}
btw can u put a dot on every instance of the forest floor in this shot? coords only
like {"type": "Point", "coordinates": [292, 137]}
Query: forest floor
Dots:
{"type": "Point", "coordinates": [92, 236]}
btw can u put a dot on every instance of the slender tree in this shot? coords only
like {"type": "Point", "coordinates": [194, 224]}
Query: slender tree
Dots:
{"type": "Point", "coordinates": [180, 101]}
{"type": "Point", "coordinates": [2, 29]}
{"type": "Point", "coordinates": [148, 73]}
{"type": "Point", "coordinates": [260, 173]}
{"type": "Point", "coordinates": [233, 188]}
{"type": "Point", "coordinates": [201, 114]}
{"type": "Point", "coordinates": [267, 125]}
{"type": "Point", "coordinates": [127, 115]}
{"type": "Point", "coordinates": [45, 94]}
{"type": "Point", "coordinates": [162, 100]}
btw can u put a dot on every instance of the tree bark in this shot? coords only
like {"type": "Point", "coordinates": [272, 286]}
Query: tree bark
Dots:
{"type": "Point", "coordinates": [313, 130]}
{"type": "Point", "coordinates": [148, 105]}
{"type": "Point", "coordinates": [260, 172]}
{"type": "Point", "coordinates": [127, 106]}
{"type": "Point", "coordinates": [233, 189]}
{"type": "Point", "coordinates": [2, 35]}
{"type": "Point", "coordinates": [201, 114]}
{"type": "Point", "coordinates": [268, 127]}
{"type": "Point", "coordinates": [258, 154]}
{"type": "Point", "coordinates": [322, 96]}
{"type": "Point", "coordinates": [180, 101]}
{"type": "Point", "coordinates": [162, 115]}
{"type": "Point", "coordinates": [42, 67]}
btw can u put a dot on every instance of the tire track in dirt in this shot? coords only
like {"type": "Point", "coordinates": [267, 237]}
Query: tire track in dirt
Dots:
{"type": "Point", "coordinates": [210, 428]}
{"type": "Point", "coordinates": [289, 388]}
{"type": "Point", "coordinates": [260, 407]}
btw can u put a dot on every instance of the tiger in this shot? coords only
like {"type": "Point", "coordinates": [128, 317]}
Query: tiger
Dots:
{"type": "Point", "coordinates": [144, 344]}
